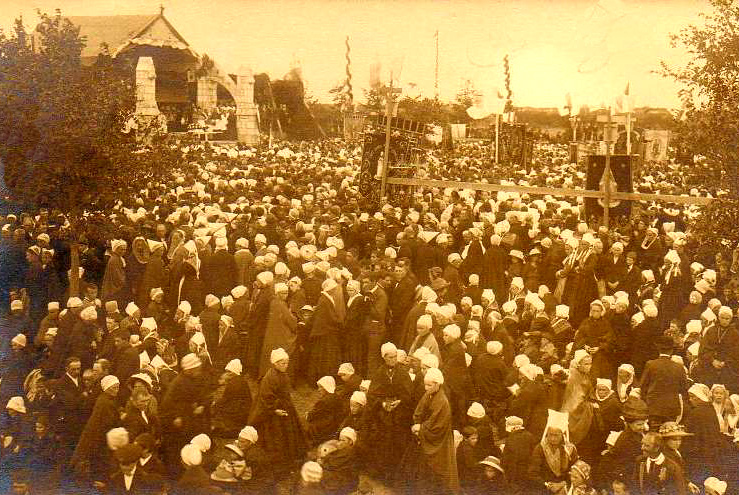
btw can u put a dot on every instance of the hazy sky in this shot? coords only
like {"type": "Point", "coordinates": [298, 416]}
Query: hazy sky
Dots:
{"type": "Point", "coordinates": [589, 48]}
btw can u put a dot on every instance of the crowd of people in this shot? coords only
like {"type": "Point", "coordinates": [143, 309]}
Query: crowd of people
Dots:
{"type": "Point", "coordinates": [468, 342]}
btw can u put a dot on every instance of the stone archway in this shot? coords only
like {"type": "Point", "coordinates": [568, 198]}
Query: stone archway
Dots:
{"type": "Point", "coordinates": [242, 92]}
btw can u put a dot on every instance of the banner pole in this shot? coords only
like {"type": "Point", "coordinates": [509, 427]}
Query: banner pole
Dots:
{"type": "Point", "coordinates": [607, 172]}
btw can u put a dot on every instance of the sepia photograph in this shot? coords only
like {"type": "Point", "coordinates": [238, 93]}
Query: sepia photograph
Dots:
{"type": "Point", "coordinates": [369, 247]}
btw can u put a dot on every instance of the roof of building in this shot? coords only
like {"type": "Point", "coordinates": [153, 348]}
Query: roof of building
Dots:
{"type": "Point", "coordinates": [121, 31]}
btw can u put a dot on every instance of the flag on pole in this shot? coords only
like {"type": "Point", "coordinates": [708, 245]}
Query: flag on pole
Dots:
{"type": "Point", "coordinates": [625, 102]}
{"type": "Point", "coordinates": [375, 78]}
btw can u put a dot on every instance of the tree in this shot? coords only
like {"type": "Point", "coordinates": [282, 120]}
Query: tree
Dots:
{"type": "Point", "coordinates": [62, 136]}
{"type": "Point", "coordinates": [467, 94]}
{"type": "Point", "coordinates": [710, 90]}
{"type": "Point", "coordinates": [709, 123]}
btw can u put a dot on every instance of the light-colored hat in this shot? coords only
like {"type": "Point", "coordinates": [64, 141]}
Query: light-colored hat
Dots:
{"type": "Point", "coordinates": [694, 326]}
{"type": "Point", "coordinates": [701, 391]}
{"type": "Point", "coordinates": [452, 331]}
{"type": "Point", "coordinates": [327, 383]}
{"type": "Point", "coordinates": [278, 355]}
{"type": "Point", "coordinates": [249, 433]}
{"type": "Point", "coordinates": [716, 485]}
{"type": "Point", "coordinates": [74, 302]}
{"type": "Point", "coordinates": [20, 340]}
{"type": "Point", "coordinates": [359, 397]}
{"type": "Point", "coordinates": [238, 291]}
{"type": "Point", "coordinates": [131, 308]}
{"type": "Point", "coordinates": [190, 361]}
{"type": "Point", "coordinates": [185, 307]}
{"type": "Point", "coordinates": [434, 375]}
{"type": "Point", "coordinates": [346, 369]}
{"type": "Point", "coordinates": [235, 367]}
{"type": "Point", "coordinates": [493, 462]}
{"type": "Point", "coordinates": [388, 348]}
{"type": "Point", "coordinates": [425, 321]}
{"type": "Point", "coordinates": [212, 301]}
{"type": "Point", "coordinates": [116, 438]}
{"type": "Point", "coordinates": [149, 323]}
{"type": "Point", "coordinates": [708, 315]}
{"type": "Point", "coordinates": [311, 472]}
{"type": "Point", "coordinates": [348, 433]}
{"type": "Point", "coordinates": [513, 423]}
{"type": "Point", "coordinates": [605, 382]}
{"type": "Point", "coordinates": [17, 404]}
{"type": "Point", "coordinates": [191, 455]}
{"type": "Point", "coordinates": [54, 305]}
{"type": "Point", "coordinates": [494, 347]}
{"type": "Point", "coordinates": [476, 410]}
{"type": "Point", "coordinates": [89, 314]}
{"type": "Point", "coordinates": [202, 441]}
{"type": "Point", "coordinates": [109, 381]}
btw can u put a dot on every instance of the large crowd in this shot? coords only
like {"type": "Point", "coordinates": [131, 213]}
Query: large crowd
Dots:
{"type": "Point", "coordinates": [468, 342]}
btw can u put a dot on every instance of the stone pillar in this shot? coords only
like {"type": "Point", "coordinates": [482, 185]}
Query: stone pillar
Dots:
{"type": "Point", "coordinates": [207, 97]}
{"type": "Point", "coordinates": [146, 101]}
{"type": "Point", "coordinates": [247, 125]}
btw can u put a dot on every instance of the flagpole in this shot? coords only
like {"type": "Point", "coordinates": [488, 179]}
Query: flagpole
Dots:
{"type": "Point", "coordinates": [607, 172]}
{"type": "Point", "coordinates": [628, 132]}
{"type": "Point", "coordinates": [497, 134]}
{"type": "Point", "coordinates": [386, 157]}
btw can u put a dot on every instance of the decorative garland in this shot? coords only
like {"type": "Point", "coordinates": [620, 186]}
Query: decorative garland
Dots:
{"type": "Point", "coordinates": [348, 83]}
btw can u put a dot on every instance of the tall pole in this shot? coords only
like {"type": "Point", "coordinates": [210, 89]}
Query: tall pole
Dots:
{"type": "Point", "coordinates": [386, 156]}
{"type": "Point", "coordinates": [607, 172]}
{"type": "Point", "coordinates": [436, 66]}
{"type": "Point", "coordinates": [497, 136]}
{"type": "Point", "coordinates": [628, 133]}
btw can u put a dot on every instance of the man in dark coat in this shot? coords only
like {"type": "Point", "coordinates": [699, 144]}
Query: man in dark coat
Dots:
{"type": "Point", "coordinates": [664, 385]}
{"type": "Point", "coordinates": [209, 318]}
{"type": "Point", "coordinates": [454, 367]}
{"type": "Point", "coordinates": [220, 271]}
{"type": "Point", "coordinates": [657, 473]}
{"type": "Point", "coordinates": [105, 416]}
{"type": "Point", "coordinates": [404, 295]}
{"type": "Point", "coordinates": [256, 323]}
{"type": "Point", "coordinates": [126, 357]}
{"type": "Point", "coordinates": [182, 413]}
{"type": "Point", "coordinates": [620, 461]}
{"type": "Point", "coordinates": [702, 450]}
{"type": "Point", "coordinates": [519, 444]}
{"type": "Point", "coordinates": [489, 377]}
{"type": "Point", "coordinates": [376, 299]}
{"type": "Point", "coordinates": [494, 267]}
{"type": "Point", "coordinates": [388, 413]}
{"type": "Point", "coordinates": [132, 479]}
{"type": "Point", "coordinates": [67, 413]}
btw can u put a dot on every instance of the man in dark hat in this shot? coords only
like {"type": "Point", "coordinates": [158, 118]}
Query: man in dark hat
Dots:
{"type": "Point", "coordinates": [620, 461]}
{"type": "Point", "coordinates": [664, 385]}
{"type": "Point", "coordinates": [131, 479]}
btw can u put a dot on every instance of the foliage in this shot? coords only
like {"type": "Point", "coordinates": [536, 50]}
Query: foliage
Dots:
{"type": "Point", "coordinates": [61, 126]}
{"type": "Point", "coordinates": [467, 94]}
{"type": "Point", "coordinates": [375, 101]}
{"type": "Point", "coordinates": [710, 93]}
{"type": "Point", "coordinates": [717, 228]}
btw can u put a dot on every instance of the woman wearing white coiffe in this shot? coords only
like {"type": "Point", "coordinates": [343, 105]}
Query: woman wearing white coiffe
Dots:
{"type": "Point", "coordinates": [578, 393]}
{"type": "Point", "coordinates": [553, 457]}
{"type": "Point", "coordinates": [281, 327]}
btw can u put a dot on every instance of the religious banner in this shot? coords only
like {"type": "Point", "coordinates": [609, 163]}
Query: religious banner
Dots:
{"type": "Point", "coordinates": [620, 180]}
{"type": "Point", "coordinates": [459, 131]}
{"type": "Point", "coordinates": [656, 142]}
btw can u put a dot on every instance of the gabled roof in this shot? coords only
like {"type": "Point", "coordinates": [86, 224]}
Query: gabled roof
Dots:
{"type": "Point", "coordinates": [120, 31]}
{"type": "Point", "coordinates": [112, 30]}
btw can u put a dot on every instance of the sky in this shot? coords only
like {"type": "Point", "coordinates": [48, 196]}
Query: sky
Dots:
{"type": "Point", "coordinates": [588, 48]}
